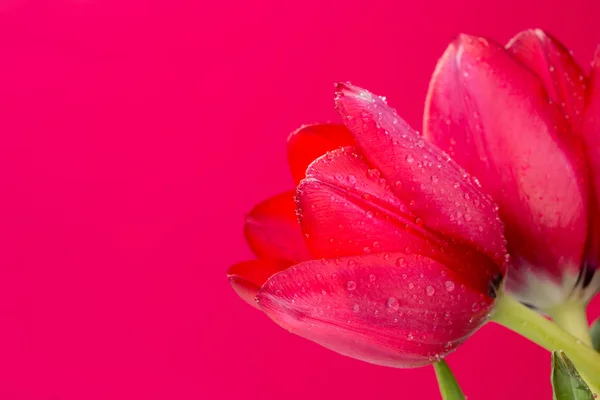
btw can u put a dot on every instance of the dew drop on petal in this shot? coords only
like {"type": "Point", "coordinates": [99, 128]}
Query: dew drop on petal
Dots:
{"type": "Point", "coordinates": [392, 304]}
{"type": "Point", "coordinates": [351, 285]}
{"type": "Point", "coordinates": [449, 286]}
{"type": "Point", "coordinates": [429, 290]}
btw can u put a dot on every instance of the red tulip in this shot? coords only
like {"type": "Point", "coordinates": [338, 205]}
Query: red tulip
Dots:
{"type": "Point", "coordinates": [397, 255]}
{"type": "Point", "coordinates": [512, 116]}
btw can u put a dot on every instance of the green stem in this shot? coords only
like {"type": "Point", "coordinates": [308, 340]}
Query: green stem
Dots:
{"type": "Point", "coordinates": [515, 316]}
{"type": "Point", "coordinates": [449, 387]}
{"type": "Point", "coordinates": [572, 318]}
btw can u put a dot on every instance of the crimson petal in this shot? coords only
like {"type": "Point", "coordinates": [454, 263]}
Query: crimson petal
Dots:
{"type": "Point", "coordinates": [591, 128]}
{"type": "Point", "coordinates": [272, 229]}
{"type": "Point", "coordinates": [346, 208]}
{"type": "Point", "coordinates": [395, 310]}
{"type": "Point", "coordinates": [312, 141]}
{"type": "Point", "coordinates": [433, 186]}
{"type": "Point", "coordinates": [247, 277]}
{"type": "Point", "coordinates": [492, 115]}
{"type": "Point", "coordinates": [591, 135]}
{"type": "Point", "coordinates": [562, 78]}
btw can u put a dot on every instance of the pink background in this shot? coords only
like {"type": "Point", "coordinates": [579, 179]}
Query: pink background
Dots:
{"type": "Point", "coordinates": [133, 139]}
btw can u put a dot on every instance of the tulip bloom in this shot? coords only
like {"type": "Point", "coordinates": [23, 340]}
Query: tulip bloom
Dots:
{"type": "Point", "coordinates": [513, 117]}
{"type": "Point", "coordinates": [396, 256]}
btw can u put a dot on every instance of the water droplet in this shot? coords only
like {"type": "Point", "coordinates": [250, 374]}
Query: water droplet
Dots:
{"type": "Point", "coordinates": [369, 214]}
{"type": "Point", "coordinates": [372, 278]}
{"type": "Point", "coordinates": [411, 285]}
{"type": "Point", "coordinates": [400, 262]}
{"type": "Point", "coordinates": [429, 290]}
{"type": "Point", "coordinates": [352, 179]}
{"type": "Point", "coordinates": [351, 285]}
{"type": "Point", "coordinates": [434, 179]}
{"type": "Point", "coordinates": [475, 307]}
{"type": "Point", "coordinates": [449, 286]}
{"type": "Point", "coordinates": [456, 185]}
{"type": "Point", "coordinates": [392, 304]}
{"type": "Point", "coordinates": [338, 177]}
{"type": "Point", "coordinates": [367, 249]}
{"type": "Point", "coordinates": [410, 158]}
{"type": "Point", "coordinates": [356, 308]}
{"type": "Point", "coordinates": [410, 336]}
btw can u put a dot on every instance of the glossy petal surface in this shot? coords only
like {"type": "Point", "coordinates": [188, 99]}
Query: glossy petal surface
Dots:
{"type": "Point", "coordinates": [591, 135]}
{"type": "Point", "coordinates": [312, 141]}
{"type": "Point", "coordinates": [247, 277]}
{"type": "Point", "coordinates": [396, 310]}
{"type": "Point", "coordinates": [592, 122]}
{"type": "Point", "coordinates": [347, 208]}
{"type": "Point", "coordinates": [562, 78]}
{"type": "Point", "coordinates": [272, 229]}
{"type": "Point", "coordinates": [493, 116]}
{"type": "Point", "coordinates": [432, 186]}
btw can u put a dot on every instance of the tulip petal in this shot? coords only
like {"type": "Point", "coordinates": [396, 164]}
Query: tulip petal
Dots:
{"type": "Point", "coordinates": [272, 229]}
{"type": "Point", "coordinates": [562, 78]}
{"type": "Point", "coordinates": [591, 135]}
{"type": "Point", "coordinates": [312, 141]}
{"type": "Point", "coordinates": [492, 115]}
{"type": "Point", "coordinates": [247, 277]}
{"type": "Point", "coordinates": [434, 187]}
{"type": "Point", "coordinates": [396, 310]}
{"type": "Point", "coordinates": [346, 208]}
{"type": "Point", "coordinates": [591, 127]}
